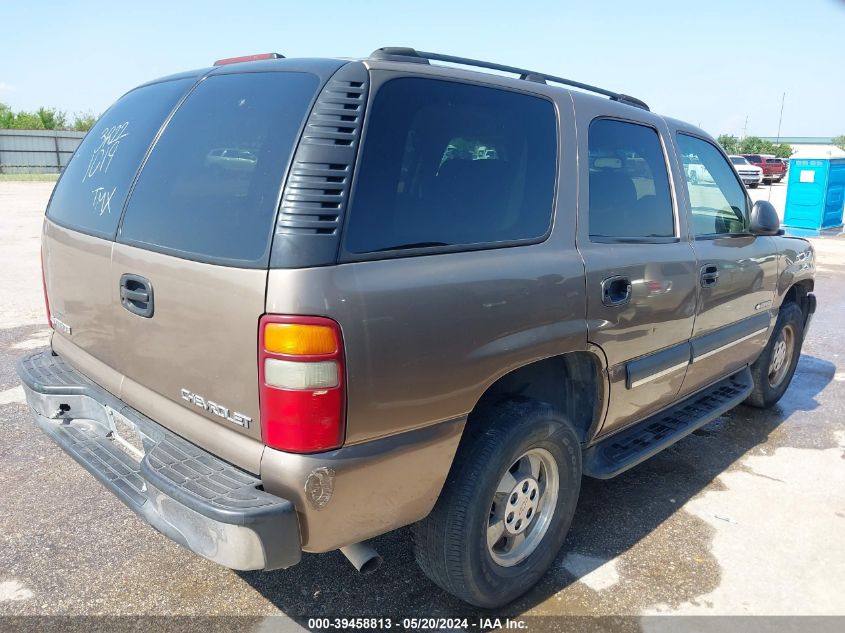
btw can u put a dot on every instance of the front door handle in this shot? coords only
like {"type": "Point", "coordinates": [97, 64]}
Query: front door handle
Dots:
{"type": "Point", "coordinates": [616, 291]}
{"type": "Point", "coordinates": [136, 295]}
{"type": "Point", "coordinates": [709, 275]}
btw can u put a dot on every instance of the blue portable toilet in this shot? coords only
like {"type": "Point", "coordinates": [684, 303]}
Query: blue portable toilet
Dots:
{"type": "Point", "coordinates": [815, 197]}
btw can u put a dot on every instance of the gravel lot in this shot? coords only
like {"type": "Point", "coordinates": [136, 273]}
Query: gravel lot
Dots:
{"type": "Point", "coordinates": [745, 516]}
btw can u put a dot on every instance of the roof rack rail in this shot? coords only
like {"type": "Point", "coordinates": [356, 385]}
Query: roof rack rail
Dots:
{"type": "Point", "coordinates": [404, 54]}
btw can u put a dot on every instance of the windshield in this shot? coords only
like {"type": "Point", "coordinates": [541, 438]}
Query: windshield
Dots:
{"type": "Point", "coordinates": [738, 160]}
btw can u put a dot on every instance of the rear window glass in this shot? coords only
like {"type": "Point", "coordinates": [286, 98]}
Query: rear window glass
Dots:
{"type": "Point", "coordinates": [210, 188]}
{"type": "Point", "coordinates": [449, 164]}
{"type": "Point", "coordinates": [93, 188]}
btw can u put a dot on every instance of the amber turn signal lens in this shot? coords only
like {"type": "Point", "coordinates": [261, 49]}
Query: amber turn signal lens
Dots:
{"type": "Point", "coordinates": [298, 339]}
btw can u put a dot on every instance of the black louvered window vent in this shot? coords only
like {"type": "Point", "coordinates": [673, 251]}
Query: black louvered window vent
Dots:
{"type": "Point", "coordinates": [317, 187]}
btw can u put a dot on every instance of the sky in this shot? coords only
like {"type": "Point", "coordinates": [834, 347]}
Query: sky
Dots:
{"type": "Point", "coordinates": [713, 63]}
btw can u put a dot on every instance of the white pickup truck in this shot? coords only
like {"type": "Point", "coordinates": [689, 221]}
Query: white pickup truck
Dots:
{"type": "Point", "coordinates": [751, 175]}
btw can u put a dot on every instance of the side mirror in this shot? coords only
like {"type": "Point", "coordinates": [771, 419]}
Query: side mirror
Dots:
{"type": "Point", "coordinates": [764, 219]}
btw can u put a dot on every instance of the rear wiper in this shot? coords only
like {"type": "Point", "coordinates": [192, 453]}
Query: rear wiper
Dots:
{"type": "Point", "coordinates": [413, 245]}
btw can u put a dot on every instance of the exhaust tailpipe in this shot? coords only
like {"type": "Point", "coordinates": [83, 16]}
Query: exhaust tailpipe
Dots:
{"type": "Point", "coordinates": [363, 557]}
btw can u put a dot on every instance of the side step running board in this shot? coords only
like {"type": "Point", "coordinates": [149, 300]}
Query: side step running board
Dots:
{"type": "Point", "coordinates": [629, 447]}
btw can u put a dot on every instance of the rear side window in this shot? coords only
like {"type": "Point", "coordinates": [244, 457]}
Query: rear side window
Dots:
{"type": "Point", "coordinates": [94, 186]}
{"type": "Point", "coordinates": [446, 164]}
{"type": "Point", "coordinates": [210, 188]}
{"type": "Point", "coordinates": [629, 185]}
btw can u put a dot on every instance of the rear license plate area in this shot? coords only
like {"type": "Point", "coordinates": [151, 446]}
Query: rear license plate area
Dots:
{"type": "Point", "coordinates": [125, 435]}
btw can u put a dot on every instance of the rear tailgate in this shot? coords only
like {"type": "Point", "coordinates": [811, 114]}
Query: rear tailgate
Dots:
{"type": "Point", "coordinates": [82, 220]}
{"type": "Point", "coordinates": [186, 283]}
{"type": "Point", "coordinates": [775, 167]}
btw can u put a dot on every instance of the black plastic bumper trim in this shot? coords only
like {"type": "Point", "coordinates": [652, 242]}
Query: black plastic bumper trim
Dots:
{"type": "Point", "coordinates": [190, 495]}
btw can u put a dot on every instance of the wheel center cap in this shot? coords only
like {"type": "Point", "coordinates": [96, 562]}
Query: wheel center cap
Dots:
{"type": "Point", "coordinates": [522, 505]}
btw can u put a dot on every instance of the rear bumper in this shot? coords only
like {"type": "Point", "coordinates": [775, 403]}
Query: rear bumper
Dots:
{"type": "Point", "coordinates": [189, 495]}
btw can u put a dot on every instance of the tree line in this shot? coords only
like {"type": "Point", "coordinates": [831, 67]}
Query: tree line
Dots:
{"type": "Point", "coordinates": [753, 145]}
{"type": "Point", "coordinates": [45, 119]}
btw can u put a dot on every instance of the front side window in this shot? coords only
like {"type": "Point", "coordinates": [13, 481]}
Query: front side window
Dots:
{"type": "Point", "coordinates": [718, 200]}
{"type": "Point", "coordinates": [446, 164]}
{"type": "Point", "coordinates": [629, 185]}
{"type": "Point", "coordinates": [210, 188]}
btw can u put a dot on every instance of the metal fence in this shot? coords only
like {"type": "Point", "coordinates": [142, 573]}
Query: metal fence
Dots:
{"type": "Point", "coordinates": [36, 151]}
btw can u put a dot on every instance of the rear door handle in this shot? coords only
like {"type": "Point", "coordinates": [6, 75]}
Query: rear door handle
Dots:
{"type": "Point", "coordinates": [709, 275]}
{"type": "Point", "coordinates": [136, 295]}
{"type": "Point", "coordinates": [616, 291]}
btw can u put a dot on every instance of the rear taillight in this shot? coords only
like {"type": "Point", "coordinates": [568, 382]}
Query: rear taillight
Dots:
{"type": "Point", "coordinates": [301, 376]}
{"type": "Point", "coordinates": [44, 287]}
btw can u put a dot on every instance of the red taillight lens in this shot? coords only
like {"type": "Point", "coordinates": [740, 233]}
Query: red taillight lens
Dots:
{"type": "Point", "coordinates": [44, 287]}
{"type": "Point", "coordinates": [302, 383]}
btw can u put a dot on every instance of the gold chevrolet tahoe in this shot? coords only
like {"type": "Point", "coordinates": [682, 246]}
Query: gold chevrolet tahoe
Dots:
{"type": "Point", "coordinates": [299, 303]}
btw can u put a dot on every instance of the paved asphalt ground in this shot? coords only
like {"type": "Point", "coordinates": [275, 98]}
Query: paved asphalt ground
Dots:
{"type": "Point", "coordinates": [745, 516]}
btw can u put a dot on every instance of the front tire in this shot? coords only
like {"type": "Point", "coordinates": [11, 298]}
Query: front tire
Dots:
{"type": "Point", "coordinates": [506, 506]}
{"type": "Point", "coordinates": [773, 370]}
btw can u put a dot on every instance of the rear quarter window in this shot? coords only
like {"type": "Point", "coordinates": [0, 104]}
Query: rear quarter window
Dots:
{"type": "Point", "coordinates": [210, 188]}
{"type": "Point", "coordinates": [93, 188]}
{"type": "Point", "coordinates": [451, 165]}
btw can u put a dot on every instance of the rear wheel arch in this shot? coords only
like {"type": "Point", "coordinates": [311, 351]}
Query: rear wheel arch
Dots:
{"type": "Point", "coordinates": [572, 383]}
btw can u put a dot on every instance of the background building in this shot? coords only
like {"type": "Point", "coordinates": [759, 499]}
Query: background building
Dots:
{"type": "Point", "coordinates": [809, 146]}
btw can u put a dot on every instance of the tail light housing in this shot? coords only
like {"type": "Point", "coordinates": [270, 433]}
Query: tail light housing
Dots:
{"type": "Point", "coordinates": [302, 391]}
{"type": "Point", "coordinates": [44, 287]}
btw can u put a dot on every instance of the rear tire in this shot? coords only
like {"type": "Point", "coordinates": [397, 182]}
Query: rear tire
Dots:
{"type": "Point", "coordinates": [773, 370]}
{"type": "Point", "coordinates": [515, 481]}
